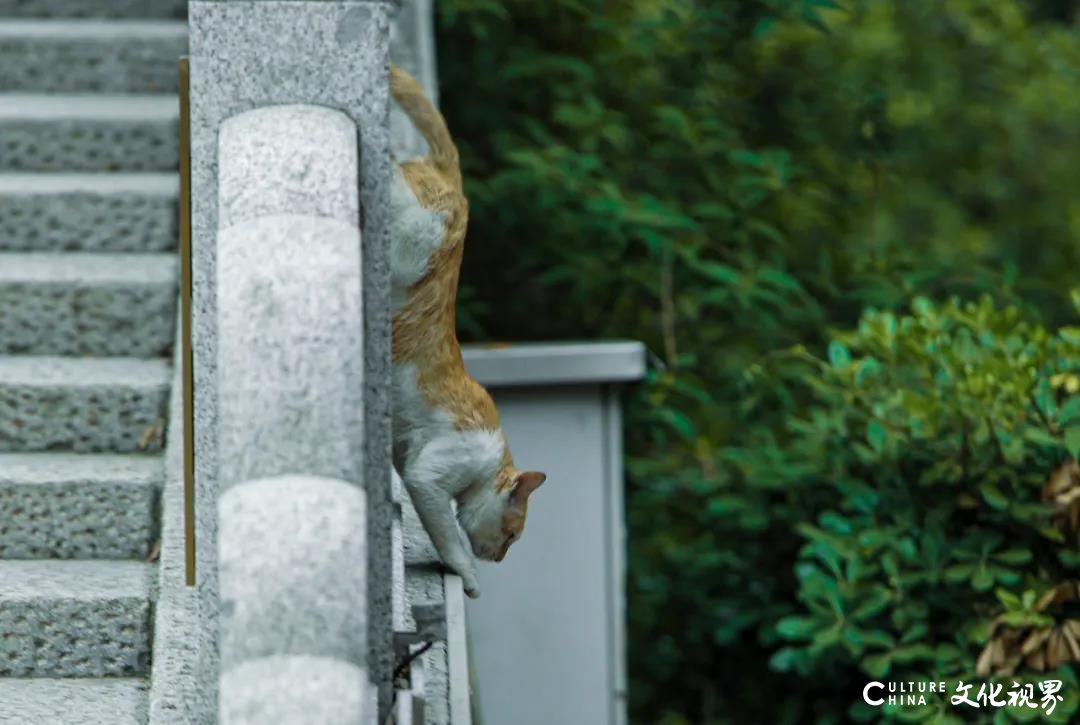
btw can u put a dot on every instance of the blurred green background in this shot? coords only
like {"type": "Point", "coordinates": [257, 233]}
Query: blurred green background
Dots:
{"type": "Point", "coordinates": [848, 231]}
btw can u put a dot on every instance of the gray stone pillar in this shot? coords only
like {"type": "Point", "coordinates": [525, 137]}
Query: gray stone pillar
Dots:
{"type": "Point", "coordinates": [292, 603]}
{"type": "Point", "coordinates": [291, 547]}
{"type": "Point", "coordinates": [291, 380]}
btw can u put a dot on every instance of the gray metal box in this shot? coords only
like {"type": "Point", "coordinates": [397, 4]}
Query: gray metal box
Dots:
{"type": "Point", "coordinates": [546, 635]}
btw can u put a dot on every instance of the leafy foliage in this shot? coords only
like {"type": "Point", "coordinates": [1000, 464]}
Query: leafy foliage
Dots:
{"type": "Point", "coordinates": [781, 197]}
{"type": "Point", "coordinates": [926, 448]}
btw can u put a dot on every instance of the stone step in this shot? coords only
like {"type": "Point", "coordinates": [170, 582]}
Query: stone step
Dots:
{"type": "Point", "coordinates": [75, 618]}
{"type": "Point", "coordinates": [82, 404]}
{"type": "Point", "coordinates": [82, 132]}
{"type": "Point", "coordinates": [120, 212]}
{"type": "Point", "coordinates": [139, 9]}
{"type": "Point", "coordinates": [90, 701]}
{"type": "Point", "coordinates": [109, 56]}
{"type": "Point", "coordinates": [77, 505]}
{"type": "Point", "coordinates": [81, 303]}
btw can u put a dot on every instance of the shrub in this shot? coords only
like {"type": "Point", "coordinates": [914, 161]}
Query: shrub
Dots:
{"type": "Point", "coordinates": [726, 181]}
{"type": "Point", "coordinates": [924, 460]}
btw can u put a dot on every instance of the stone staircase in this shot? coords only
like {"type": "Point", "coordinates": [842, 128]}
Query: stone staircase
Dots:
{"type": "Point", "coordinates": [88, 292]}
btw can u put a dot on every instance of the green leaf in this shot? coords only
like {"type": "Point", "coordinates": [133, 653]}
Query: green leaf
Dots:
{"type": "Point", "coordinates": [679, 422]}
{"type": "Point", "coordinates": [959, 572]}
{"type": "Point", "coordinates": [1070, 412]}
{"type": "Point", "coordinates": [993, 496]}
{"type": "Point", "coordinates": [838, 354]}
{"type": "Point", "coordinates": [795, 627]}
{"type": "Point", "coordinates": [922, 306]}
{"type": "Point", "coordinates": [1014, 556]}
{"type": "Point", "coordinates": [914, 633]}
{"type": "Point", "coordinates": [983, 579]}
{"type": "Point", "coordinates": [1008, 577]}
{"type": "Point", "coordinates": [1052, 533]}
{"type": "Point", "coordinates": [825, 639]}
{"type": "Point", "coordinates": [1072, 440]}
{"type": "Point", "coordinates": [908, 550]}
{"type": "Point", "coordinates": [1041, 437]}
{"type": "Point", "coordinates": [875, 602]}
{"type": "Point", "coordinates": [876, 435]}
{"type": "Point", "coordinates": [913, 652]}
{"type": "Point", "coordinates": [1026, 619]}
{"type": "Point", "coordinates": [834, 522]}
{"type": "Point", "coordinates": [784, 659]}
{"type": "Point", "coordinates": [1027, 600]}
{"type": "Point", "coordinates": [868, 369]}
{"type": "Point", "coordinates": [718, 272]}
{"type": "Point", "coordinates": [877, 666]}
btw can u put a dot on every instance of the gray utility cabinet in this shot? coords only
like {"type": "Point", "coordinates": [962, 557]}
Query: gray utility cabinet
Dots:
{"type": "Point", "coordinates": [546, 636]}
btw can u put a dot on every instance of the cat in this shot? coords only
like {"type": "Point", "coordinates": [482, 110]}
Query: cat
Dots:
{"type": "Point", "coordinates": [448, 443]}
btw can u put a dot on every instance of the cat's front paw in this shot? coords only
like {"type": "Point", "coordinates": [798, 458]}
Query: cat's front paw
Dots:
{"type": "Point", "coordinates": [469, 581]}
{"type": "Point", "coordinates": [472, 591]}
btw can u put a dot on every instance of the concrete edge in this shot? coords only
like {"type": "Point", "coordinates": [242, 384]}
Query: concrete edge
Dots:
{"type": "Point", "coordinates": [556, 363]}
{"type": "Point", "coordinates": [457, 654]}
{"type": "Point", "coordinates": [172, 675]}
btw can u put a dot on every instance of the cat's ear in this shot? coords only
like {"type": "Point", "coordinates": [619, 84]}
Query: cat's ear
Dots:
{"type": "Point", "coordinates": [524, 484]}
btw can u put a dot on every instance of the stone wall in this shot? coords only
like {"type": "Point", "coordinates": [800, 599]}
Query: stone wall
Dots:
{"type": "Point", "coordinates": [306, 594]}
{"type": "Point", "coordinates": [271, 408]}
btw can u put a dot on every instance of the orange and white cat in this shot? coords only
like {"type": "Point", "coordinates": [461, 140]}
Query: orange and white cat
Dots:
{"type": "Point", "coordinates": [448, 444]}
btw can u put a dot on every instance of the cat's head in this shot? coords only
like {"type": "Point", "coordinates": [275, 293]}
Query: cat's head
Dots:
{"type": "Point", "coordinates": [499, 521]}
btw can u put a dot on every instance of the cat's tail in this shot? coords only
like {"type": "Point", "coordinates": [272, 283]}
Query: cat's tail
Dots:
{"type": "Point", "coordinates": [428, 121]}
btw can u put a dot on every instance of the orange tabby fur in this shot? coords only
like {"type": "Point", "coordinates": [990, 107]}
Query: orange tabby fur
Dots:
{"type": "Point", "coordinates": [424, 334]}
{"type": "Point", "coordinates": [425, 329]}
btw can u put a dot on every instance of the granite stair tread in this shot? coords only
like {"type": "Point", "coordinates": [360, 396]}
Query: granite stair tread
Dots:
{"type": "Point", "coordinates": [77, 505]}
{"type": "Point", "coordinates": [85, 618]}
{"type": "Point", "coordinates": [50, 403]}
{"type": "Point", "coordinates": [88, 211]}
{"type": "Point", "coordinates": [73, 701]}
{"type": "Point", "coordinates": [79, 132]}
{"type": "Point", "coordinates": [90, 54]}
{"type": "Point", "coordinates": [85, 303]}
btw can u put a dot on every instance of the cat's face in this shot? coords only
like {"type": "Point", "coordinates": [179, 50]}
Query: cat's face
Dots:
{"type": "Point", "coordinates": [503, 521]}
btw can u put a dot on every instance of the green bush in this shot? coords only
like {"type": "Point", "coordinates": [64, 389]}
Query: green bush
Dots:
{"type": "Point", "coordinates": [727, 182]}
{"type": "Point", "coordinates": [923, 458]}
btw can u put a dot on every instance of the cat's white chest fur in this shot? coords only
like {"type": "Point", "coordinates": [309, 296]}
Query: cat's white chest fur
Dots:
{"type": "Point", "coordinates": [415, 234]}
{"type": "Point", "coordinates": [426, 443]}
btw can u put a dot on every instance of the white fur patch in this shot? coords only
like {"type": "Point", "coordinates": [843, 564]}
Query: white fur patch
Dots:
{"type": "Point", "coordinates": [457, 460]}
{"type": "Point", "coordinates": [414, 421]}
{"type": "Point", "coordinates": [428, 447]}
{"type": "Point", "coordinates": [415, 234]}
